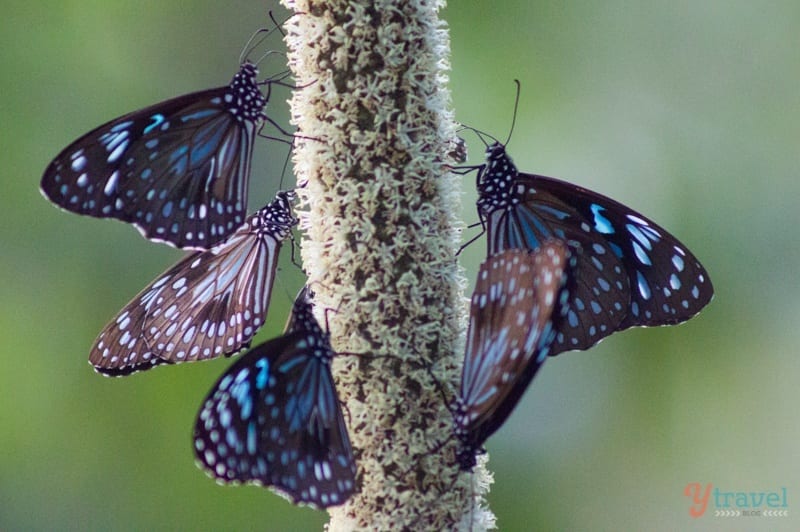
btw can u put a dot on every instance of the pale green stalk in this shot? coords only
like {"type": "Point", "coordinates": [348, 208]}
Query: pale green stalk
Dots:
{"type": "Point", "coordinates": [380, 234]}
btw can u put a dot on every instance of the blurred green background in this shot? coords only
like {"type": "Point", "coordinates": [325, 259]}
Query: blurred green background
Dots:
{"type": "Point", "coordinates": [687, 111]}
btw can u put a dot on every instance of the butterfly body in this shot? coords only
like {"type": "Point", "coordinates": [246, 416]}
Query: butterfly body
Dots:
{"type": "Point", "coordinates": [209, 304]}
{"type": "Point", "coordinates": [517, 298]}
{"type": "Point", "coordinates": [629, 271]}
{"type": "Point", "coordinates": [274, 419]}
{"type": "Point", "coordinates": [177, 170]}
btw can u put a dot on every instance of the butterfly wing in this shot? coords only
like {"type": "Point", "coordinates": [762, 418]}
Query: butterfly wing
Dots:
{"type": "Point", "coordinates": [119, 349]}
{"type": "Point", "coordinates": [209, 304]}
{"type": "Point", "coordinates": [177, 170]}
{"type": "Point", "coordinates": [274, 419]}
{"type": "Point", "coordinates": [517, 296]}
{"type": "Point", "coordinates": [518, 214]}
{"type": "Point", "coordinates": [668, 283]}
{"type": "Point", "coordinates": [629, 271]}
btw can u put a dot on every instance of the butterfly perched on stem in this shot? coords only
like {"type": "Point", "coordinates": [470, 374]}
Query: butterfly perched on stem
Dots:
{"type": "Point", "coordinates": [629, 271]}
{"type": "Point", "coordinates": [210, 303]}
{"type": "Point", "coordinates": [517, 297]}
{"type": "Point", "coordinates": [177, 170]}
{"type": "Point", "coordinates": [274, 418]}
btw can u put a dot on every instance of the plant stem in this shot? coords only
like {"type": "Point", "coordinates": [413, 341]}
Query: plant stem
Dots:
{"type": "Point", "coordinates": [380, 238]}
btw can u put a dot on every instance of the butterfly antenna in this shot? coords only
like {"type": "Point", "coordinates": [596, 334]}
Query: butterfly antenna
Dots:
{"type": "Point", "coordinates": [514, 116]}
{"type": "Point", "coordinates": [277, 25]}
{"type": "Point", "coordinates": [286, 163]}
{"type": "Point", "coordinates": [482, 135]}
{"type": "Point", "coordinates": [279, 77]}
{"type": "Point", "coordinates": [261, 35]}
{"type": "Point", "coordinates": [250, 46]}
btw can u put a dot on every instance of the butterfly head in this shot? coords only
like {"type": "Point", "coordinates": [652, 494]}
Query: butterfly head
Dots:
{"type": "Point", "coordinates": [248, 71]}
{"type": "Point", "coordinates": [466, 457]}
{"type": "Point", "coordinates": [499, 165]}
{"type": "Point", "coordinates": [283, 201]}
{"type": "Point", "coordinates": [304, 301]}
{"type": "Point", "coordinates": [496, 152]}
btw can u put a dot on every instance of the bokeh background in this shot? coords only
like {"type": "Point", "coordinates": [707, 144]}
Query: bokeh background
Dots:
{"type": "Point", "coordinates": [687, 111]}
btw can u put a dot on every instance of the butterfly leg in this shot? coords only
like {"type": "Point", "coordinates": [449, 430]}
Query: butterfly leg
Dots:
{"type": "Point", "coordinates": [474, 238]}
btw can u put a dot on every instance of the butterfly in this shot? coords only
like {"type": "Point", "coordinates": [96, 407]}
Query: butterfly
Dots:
{"type": "Point", "coordinates": [177, 170]}
{"type": "Point", "coordinates": [518, 295]}
{"type": "Point", "coordinates": [274, 418]}
{"type": "Point", "coordinates": [210, 303]}
{"type": "Point", "coordinates": [629, 271]}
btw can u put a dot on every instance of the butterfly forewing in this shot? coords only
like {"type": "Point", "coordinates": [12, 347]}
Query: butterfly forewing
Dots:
{"type": "Point", "coordinates": [668, 284]}
{"type": "Point", "coordinates": [517, 295]}
{"type": "Point", "coordinates": [211, 303]}
{"type": "Point", "coordinates": [628, 270]}
{"type": "Point", "coordinates": [274, 419]}
{"type": "Point", "coordinates": [177, 170]}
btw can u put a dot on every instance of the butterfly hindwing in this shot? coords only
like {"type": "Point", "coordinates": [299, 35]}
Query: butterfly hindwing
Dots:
{"type": "Point", "coordinates": [517, 296]}
{"type": "Point", "coordinates": [177, 170]}
{"type": "Point", "coordinates": [274, 419]}
{"type": "Point", "coordinates": [209, 304]}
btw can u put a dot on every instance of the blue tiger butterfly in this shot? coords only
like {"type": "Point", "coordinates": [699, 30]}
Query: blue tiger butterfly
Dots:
{"type": "Point", "coordinates": [629, 271]}
{"type": "Point", "coordinates": [274, 418]}
{"type": "Point", "coordinates": [211, 303]}
{"type": "Point", "coordinates": [518, 295]}
{"type": "Point", "coordinates": [178, 170]}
